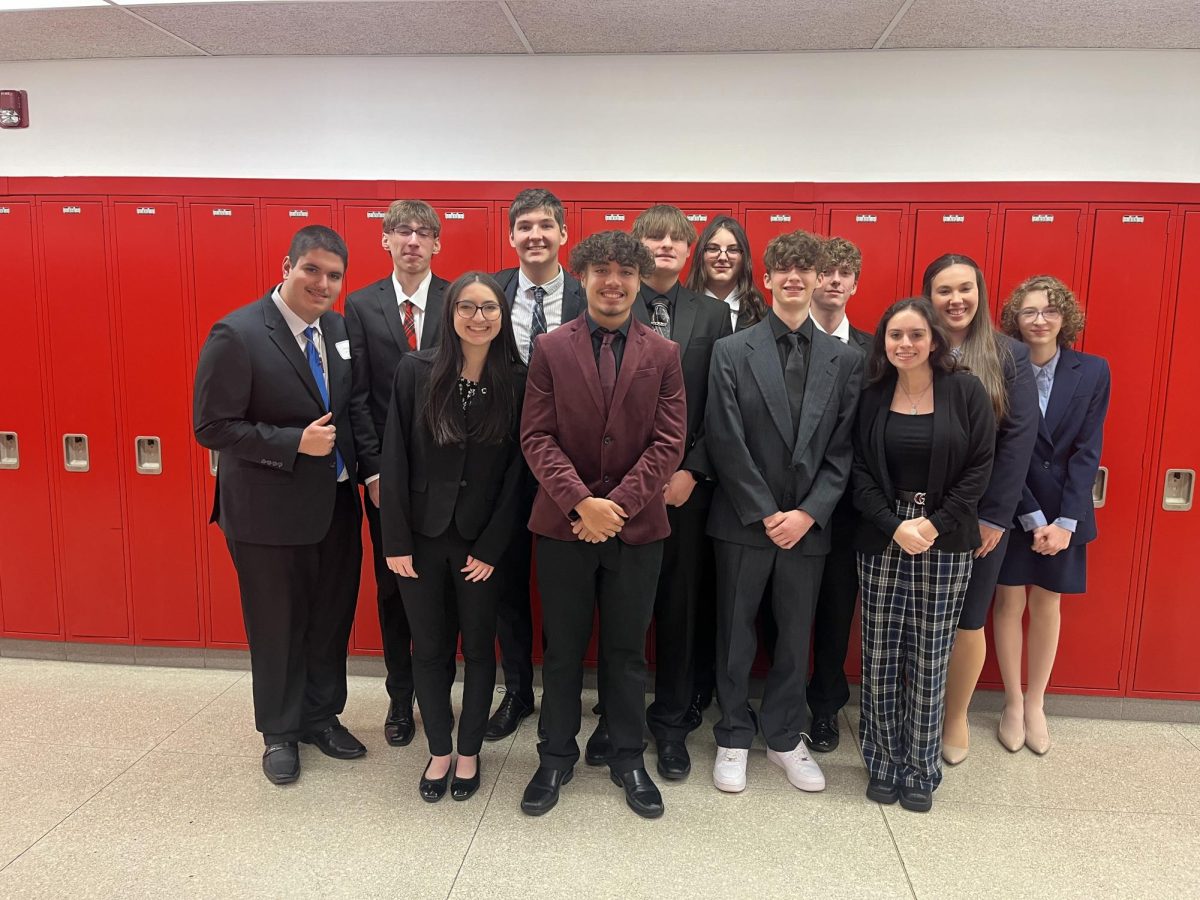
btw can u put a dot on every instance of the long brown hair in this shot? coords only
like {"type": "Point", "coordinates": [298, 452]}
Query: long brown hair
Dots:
{"type": "Point", "coordinates": [752, 306]}
{"type": "Point", "coordinates": [940, 357]}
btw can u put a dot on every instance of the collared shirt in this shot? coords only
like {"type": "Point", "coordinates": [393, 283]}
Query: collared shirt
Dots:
{"type": "Point", "coordinates": [523, 302]}
{"type": "Point", "coordinates": [419, 299]}
{"type": "Point", "coordinates": [842, 332]}
{"type": "Point", "coordinates": [618, 343]}
{"type": "Point", "coordinates": [734, 302]}
{"type": "Point", "coordinates": [781, 332]}
{"type": "Point", "coordinates": [669, 298]}
{"type": "Point", "coordinates": [1043, 377]}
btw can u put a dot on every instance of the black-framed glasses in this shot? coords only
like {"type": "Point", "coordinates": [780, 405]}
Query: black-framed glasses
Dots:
{"type": "Point", "coordinates": [1049, 314]}
{"type": "Point", "coordinates": [714, 251]}
{"type": "Point", "coordinates": [405, 232]}
{"type": "Point", "coordinates": [466, 310]}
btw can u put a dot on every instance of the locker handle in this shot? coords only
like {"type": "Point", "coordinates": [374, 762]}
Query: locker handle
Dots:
{"type": "Point", "coordinates": [75, 453]}
{"type": "Point", "coordinates": [148, 455]}
{"type": "Point", "coordinates": [1100, 487]}
{"type": "Point", "coordinates": [10, 452]}
{"type": "Point", "coordinates": [1177, 490]}
{"type": "Point", "coordinates": [213, 455]}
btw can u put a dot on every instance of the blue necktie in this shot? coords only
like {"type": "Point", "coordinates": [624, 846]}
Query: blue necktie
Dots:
{"type": "Point", "coordinates": [314, 363]}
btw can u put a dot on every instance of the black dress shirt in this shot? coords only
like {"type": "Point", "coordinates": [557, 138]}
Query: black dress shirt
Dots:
{"type": "Point", "coordinates": [618, 342]}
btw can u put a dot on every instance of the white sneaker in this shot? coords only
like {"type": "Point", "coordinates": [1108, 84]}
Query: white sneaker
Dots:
{"type": "Point", "coordinates": [802, 770]}
{"type": "Point", "coordinates": [729, 771]}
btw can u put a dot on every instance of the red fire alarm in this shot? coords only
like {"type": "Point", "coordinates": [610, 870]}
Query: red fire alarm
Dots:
{"type": "Point", "coordinates": [14, 109]}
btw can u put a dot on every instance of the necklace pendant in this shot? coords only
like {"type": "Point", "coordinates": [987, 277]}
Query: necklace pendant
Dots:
{"type": "Point", "coordinates": [914, 411]}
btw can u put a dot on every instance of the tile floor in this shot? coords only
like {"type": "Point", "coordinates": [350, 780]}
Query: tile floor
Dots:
{"type": "Point", "coordinates": [136, 781]}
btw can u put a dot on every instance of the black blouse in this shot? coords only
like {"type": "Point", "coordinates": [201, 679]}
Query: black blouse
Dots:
{"type": "Point", "coordinates": [908, 443]}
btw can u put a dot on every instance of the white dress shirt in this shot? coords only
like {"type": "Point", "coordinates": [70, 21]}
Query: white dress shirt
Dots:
{"type": "Point", "coordinates": [419, 299]}
{"type": "Point", "coordinates": [734, 302]}
{"type": "Point", "coordinates": [842, 332]}
{"type": "Point", "coordinates": [522, 311]}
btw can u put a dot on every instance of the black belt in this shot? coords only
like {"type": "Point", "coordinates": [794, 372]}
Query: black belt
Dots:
{"type": "Point", "coordinates": [915, 497]}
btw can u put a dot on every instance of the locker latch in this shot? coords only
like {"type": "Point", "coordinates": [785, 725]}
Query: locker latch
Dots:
{"type": "Point", "coordinates": [1100, 487]}
{"type": "Point", "coordinates": [1177, 491]}
{"type": "Point", "coordinates": [75, 453]}
{"type": "Point", "coordinates": [148, 453]}
{"type": "Point", "coordinates": [10, 453]}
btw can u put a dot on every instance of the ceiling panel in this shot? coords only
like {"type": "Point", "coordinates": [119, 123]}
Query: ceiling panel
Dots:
{"type": "Point", "coordinates": [700, 26]}
{"type": "Point", "coordinates": [340, 28]}
{"type": "Point", "coordinates": [1132, 24]}
{"type": "Point", "coordinates": [91, 33]}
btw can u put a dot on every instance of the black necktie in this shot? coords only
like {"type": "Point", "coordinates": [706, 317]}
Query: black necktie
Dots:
{"type": "Point", "coordinates": [793, 377]}
{"type": "Point", "coordinates": [608, 369]}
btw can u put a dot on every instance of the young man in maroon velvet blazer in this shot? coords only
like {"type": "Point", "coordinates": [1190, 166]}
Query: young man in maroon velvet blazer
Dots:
{"type": "Point", "coordinates": [603, 430]}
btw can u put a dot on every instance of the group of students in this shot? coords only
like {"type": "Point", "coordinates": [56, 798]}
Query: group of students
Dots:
{"type": "Point", "coordinates": [687, 454]}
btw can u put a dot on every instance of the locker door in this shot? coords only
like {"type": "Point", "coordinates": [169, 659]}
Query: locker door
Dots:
{"type": "Point", "coordinates": [156, 433]}
{"type": "Point", "coordinates": [362, 229]}
{"type": "Point", "coordinates": [944, 230]}
{"type": "Point", "coordinates": [606, 218]}
{"type": "Point", "coordinates": [1129, 256]}
{"type": "Point", "coordinates": [91, 531]}
{"type": "Point", "coordinates": [1038, 242]}
{"type": "Point", "coordinates": [765, 222]}
{"type": "Point", "coordinates": [281, 221]}
{"type": "Point", "coordinates": [225, 275]}
{"type": "Point", "coordinates": [1170, 621]}
{"type": "Point", "coordinates": [507, 256]}
{"type": "Point", "coordinates": [466, 239]}
{"type": "Point", "coordinates": [880, 235]}
{"type": "Point", "coordinates": [700, 216]}
{"type": "Point", "coordinates": [28, 580]}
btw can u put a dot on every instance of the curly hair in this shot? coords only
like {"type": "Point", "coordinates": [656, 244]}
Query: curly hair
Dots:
{"type": "Point", "coordinates": [841, 254]}
{"type": "Point", "coordinates": [797, 248]}
{"type": "Point", "coordinates": [611, 246]}
{"type": "Point", "coordinates": [1058, 295]}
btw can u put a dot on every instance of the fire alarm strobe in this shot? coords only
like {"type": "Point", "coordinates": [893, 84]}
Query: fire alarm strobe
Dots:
{"type": "Point", "coordinates": [14, 109]}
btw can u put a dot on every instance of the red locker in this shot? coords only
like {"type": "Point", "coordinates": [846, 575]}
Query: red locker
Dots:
{"type": "Point", "coordinates": [506, 256]}
{"type": "Point", "coordinates": [881, 234]}
{"type": "Point", "coordinates": [156, 433]}
{"type": "Point", "coordinates": [466, 239]}
{"type": "Point", "coordinates": [281, 221]}
{"type": "Point", "coordinates": [29, 597]}
{"type": "Point", "coordinates": [617, 217]}
{"type": "Point", "coordinates": [225, 275]}
{"type": "Point", "coordinates": [362, 229]}
{"type": "Point", "coordinates": [1038, 241]}
{"type": "Point", "coordinates": [81, 340]}
{"type": "Point", "coordinates": [1170, 620]}
{"type": "Point", "coordinates": [958, 229]}
{"type": "Point", "coordinates": [765, 222]}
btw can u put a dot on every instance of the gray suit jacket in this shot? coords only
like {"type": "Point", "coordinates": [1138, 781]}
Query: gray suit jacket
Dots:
{"type": "Point", "coordinates": [762, 465]}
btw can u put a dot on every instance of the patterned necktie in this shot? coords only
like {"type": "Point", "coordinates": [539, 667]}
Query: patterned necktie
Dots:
{"type": "Point", "coordinates": [1043, 388]}
{"type": "Point", "coordinates": [660, 318]}
{"type": "Point", "coordinates": [608, 369]}
{"type": "Point", "coordinates": [410, 324]}
{"type": "Point", "coordinates": [318, 371]}
{"type": "Point", "coordinates": [539, 317]}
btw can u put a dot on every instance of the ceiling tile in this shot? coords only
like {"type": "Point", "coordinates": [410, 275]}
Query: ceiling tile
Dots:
{"type": "Point", "coordinates": [1134, 24]}
{"type": "Point", "coordinates": [701, 26]}
{"type": "Point", "coordinates": [340, 29]}
{"type": "Point", "coordinates": [90, 33]}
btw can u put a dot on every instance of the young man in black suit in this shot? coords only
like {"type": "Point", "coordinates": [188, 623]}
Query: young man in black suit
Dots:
{"type": "Point", "coordinates": [273, 397]}
{"type": "Point", "coordinates": [781, 403]}
{"type": "Point", "coordinates": [393, 316]}
{"type": "Point", "coordinates": [542, 296]}
{"type": "Point", "coordinates": [828, 690]}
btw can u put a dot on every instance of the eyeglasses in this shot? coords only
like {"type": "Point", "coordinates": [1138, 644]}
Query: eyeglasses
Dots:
{"type": "Point", "coordinates": [714, 251]}
{"type": "Point", "coordinates": [1049, 314]}
{"type": "Point", "coordinates": [467, 310]}
{"type": "Point", "coordinates": [405, 232]}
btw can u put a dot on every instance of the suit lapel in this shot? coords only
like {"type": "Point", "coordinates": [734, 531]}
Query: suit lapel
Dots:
{"type": "Point", "coordinates": [573, 300]}
{"type": "Point", "coordinates": [684, 319]}
{"type": "Point", "coordinates": [283, 338]}
{"type": "Point", "coordinates": [431, 330]}
{"type": "Point", "coordinates": [510, 289]}
{"type": "Point", "coordinates": [390, 309]}
{"type": "Point", "coordinates": [630, 362]}
{"type": "Point", "coordinates": [764, 364]}
{"type": "Point", "coordinates": [878, 430]}
{"type": "Point", "coordinates": [939, 457]}
{"type": "Point", "coordinates": [336, 364]}
{"type": "Point", "coordinates": [822, 375]}
{"type": "Point", "coordinates": [1066, 380]}
{"type": "Point", "coordinates": [640, 312]}
{"type": "Point", "coordinates": [581, 345]}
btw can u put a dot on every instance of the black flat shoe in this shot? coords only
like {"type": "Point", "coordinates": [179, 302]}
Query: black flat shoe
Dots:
{"type": "Point", "coordinates": [506, 718]}
{"type": "Point", "coordinates": [674, 762]}
{"type": "Point", "coordinates": [599, 746]}
{"type": "Point", "coordinates": [825, 736]}
{"type": "Point", "coordinates": [641, 793]}
{"type": "Point", "coordinates": [541, 794]}
{"type": "Point", "coordinates": [882, 791]}
{"type": "Point", "coordinates": [336, 741]}
{"type": "Point", "coordinates": [281, 762]}
{"type": "Point", "coordinates": [465, 788]}
{"type": "Point", "coordinates": [433, 790]}
{"type": "Point", "coordinates": [399, 727]}
{"type": "Point", "coordinates": [916, 799]}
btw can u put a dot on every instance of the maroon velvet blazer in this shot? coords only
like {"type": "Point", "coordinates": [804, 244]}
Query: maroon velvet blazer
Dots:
{"type": "Point", "coordinates": [575, 453]}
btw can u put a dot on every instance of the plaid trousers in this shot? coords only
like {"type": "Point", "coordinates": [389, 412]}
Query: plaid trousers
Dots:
{"type": "Point", "coordinates": [910, 608]}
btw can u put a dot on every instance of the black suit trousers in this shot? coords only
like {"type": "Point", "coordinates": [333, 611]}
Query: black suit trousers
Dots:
{"type": "Point", "coordinates": [742, 576]}
{"type": "Point", "coordinates": [298, 606]}
{"type": "Point", "coordinates": [575, 578]}
{"type": "Point", "coordinates": [514, 619]}
{"type": "Point", "coordinates": [828, 690]}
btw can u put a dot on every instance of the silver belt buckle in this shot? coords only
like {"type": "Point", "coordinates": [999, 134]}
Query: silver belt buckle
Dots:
{"type": "Point", "coordinates": [919, 498]}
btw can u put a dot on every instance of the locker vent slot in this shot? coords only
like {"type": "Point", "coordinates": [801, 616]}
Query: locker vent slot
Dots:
{"type": "Point", "coordinates": [697, 217]}
{"type": "Point", "coordinates": [148, 452]}
{"type": "Point", "coordinates": [455, 215]}
{"type": "Point", "coordinates": [375, 214]}
{"type": "Point", "coordinates": [222, 212]}
{"type": "Point", "coordinates": [72, 210]}
{"type": "Point", "coordinates": [1132, 220]}
{"type": "Point", "coordinates": [866, 217]}
{"type": "Point", "coordinates": [298, 213]}
{"type": "Point", "coordinates": [75, 453]}
{"type": "Point", "coordinates": [614, 217]}
{"type": "Point", "coordinates": [10, 453]}
{"type": "Point", "coordinates": [146, 210]}
{"type": "Point", "coordinates": [1045, 217]}
{"type": "Point", "coordinates": [954, 218]}
{"type": "Point", "coordinates": [782, 217]}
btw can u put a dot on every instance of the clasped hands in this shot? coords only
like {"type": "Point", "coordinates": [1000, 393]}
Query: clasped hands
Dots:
{"type": "Point", "coordinates": [786, 529]}
{"type": "Point", "coordinates": [1049, 540]}
{"type": "Point", "coordinates": [599, 519]}
{"type": "Point", "coordinates": [915, 535]}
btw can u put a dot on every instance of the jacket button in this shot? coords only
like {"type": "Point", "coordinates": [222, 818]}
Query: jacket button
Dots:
{"type": "Point", "coordinates": [462, 484]}
{"type": "Point", "coordinates": [1046, 464]}
{"type": "Point", "coordinates": [608, 439]}
{"type": "Point", "coordinates": [606, 479]}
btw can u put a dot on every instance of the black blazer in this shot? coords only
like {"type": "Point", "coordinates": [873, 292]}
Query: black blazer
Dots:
{"type": "Point", "coordinates": [845, 516]}
{"type": "Point", "coordinates": [1014, 436]}
{"type": "Point", "coordinates": [574, 302]}
{"type": "Point", "coordinates": [696, 324]}
{"type": "Point", "coordinates": [424, 486]}
{"type": "Point", "coordinates": [964, 440]}
{"type": "Point", "coordinates": [764, 465]}
{"type": "Point", "coordinates": [254, 396]}
{"type": "Point", "coordinates": [377, 343]}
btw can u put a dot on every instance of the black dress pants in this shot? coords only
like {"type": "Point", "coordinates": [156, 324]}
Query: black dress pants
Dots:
{"type": "Point", "coordinates": [440, 602]}
{"type": "Point", "coordinates": [828, 690]}
{"type": "Point", "coordinates": [514, 615]}
{"type": "Point", "coordinates": [298, 606]}
{"type": "Point", "coordinates": [742, 575]}
{"type": "Point", "coordinates": [575, 578]}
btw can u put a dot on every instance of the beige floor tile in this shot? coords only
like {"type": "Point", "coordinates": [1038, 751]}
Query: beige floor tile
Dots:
{"type": "Point", "coordinates": [1100, 765]}
{"type": "Point", "coordinates": [969, 850]}
{"type": "Point", "coordinates": [40, 787]}
{"type": "Point", "coordinates": [94, 705]}
{"type": "Point", "coordinates": [206, 826]}
{"type": "Point", "coordinates": [1191, 733]}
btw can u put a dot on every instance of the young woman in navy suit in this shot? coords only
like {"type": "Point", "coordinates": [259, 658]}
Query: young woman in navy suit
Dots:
{"type": "Point", "coordinates": [954, 284]}
{"type": "Point", "coordinates": [451, 475]}
{"type": "Point", "coordinates": [1055, 518]}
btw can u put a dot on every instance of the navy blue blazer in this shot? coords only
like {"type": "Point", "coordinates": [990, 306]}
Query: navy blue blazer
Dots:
{"type": "Point", "coordinates": [1015, 435]}
{"type": "Point", "coordinates": [1066, 454]}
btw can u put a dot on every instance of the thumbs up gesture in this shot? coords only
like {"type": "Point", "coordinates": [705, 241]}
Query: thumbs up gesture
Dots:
{"type": "Point", "coordinates": [318, 438]}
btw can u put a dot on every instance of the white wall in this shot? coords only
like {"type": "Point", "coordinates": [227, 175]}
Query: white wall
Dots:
{"type": "Point", "coordinates": [877, 116]}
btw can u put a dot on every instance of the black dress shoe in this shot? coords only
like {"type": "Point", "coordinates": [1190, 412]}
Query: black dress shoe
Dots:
{"type": "Point", "coordinates": [916, 799]}
{"type": "Point", "coordinates": [434, 789]}
{"type": "Point", "coordinates": [399, 727]}
{"type": "Point", "coordinates": [674, 763]}
{"type": "Point", "coordinates": [641, 793]}
{"type": "Point", "coordinates": [506, 718]}
{"type": "Point", "coordinates": [882, 791]}
{"type": "Point", "coordinates": [281, 762]}
{"type": "Point", "coordinates": [694, 717]}
{"type": "Point", "coordinates": [336, 741]}
{"type": "Point", "coordinates": [599, 746]}
{"type": "Point", "coordinates": [541, 794]}
{"type": "Point", "coordinates": [825, 736]}
{"type": "Point", "coordinates": [541, 730]}
{"type": "Point", "coordinates": [465, 788]}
